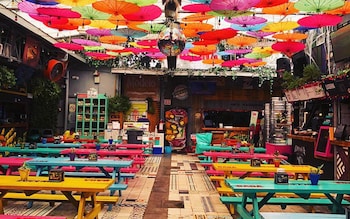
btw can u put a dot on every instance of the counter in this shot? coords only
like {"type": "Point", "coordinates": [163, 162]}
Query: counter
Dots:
{"type": "Point", "coordinates": [219, 133]}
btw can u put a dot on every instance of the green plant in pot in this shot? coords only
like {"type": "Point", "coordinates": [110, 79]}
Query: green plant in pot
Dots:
{"type": "Point", "coordinates": [315, 174]}
{"type": "Point", "coordinates": [119, 103]}
{"type": "Point", "coordinates": [24, 171]}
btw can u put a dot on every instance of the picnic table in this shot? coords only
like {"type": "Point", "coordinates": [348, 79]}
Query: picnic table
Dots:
{"type": "Point", "coordinates": [9, 164]}
{"type": "Point", "coordinates": [215, 155]}
{"type": "Point", "coordinates": [7, 151]}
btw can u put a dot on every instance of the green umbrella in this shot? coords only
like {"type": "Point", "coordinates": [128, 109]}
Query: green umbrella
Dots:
{"type": "Point", "coordinates": [142, 2]}
{"type": "Point", "coordinates": [91, 13]}
{"type": "Point", "coordinates": [152, 28]}
{"type": "Point", "coordinates": [256, 55]}
{"type": "Point", "coordinates": [318, 5]}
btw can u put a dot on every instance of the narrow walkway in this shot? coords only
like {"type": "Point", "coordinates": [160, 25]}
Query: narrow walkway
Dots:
{"type": "Point", "coordinates": [157, 203]}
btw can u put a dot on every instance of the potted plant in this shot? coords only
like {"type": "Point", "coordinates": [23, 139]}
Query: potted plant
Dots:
{"type": "Point", "coordinates": [276, 158]}
{"type": "Point", "coordinates": [315, 174]}
{"type": "Point", "coordinates": [97, 144]}
{"type": "Point", "coordinates": [119, 103]}
{"type": "Point", "coordinates": [7, 77]}
{"type": "Point", "coordinates": [24, 171]}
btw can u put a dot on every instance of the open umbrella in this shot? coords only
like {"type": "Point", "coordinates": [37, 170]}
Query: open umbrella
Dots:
{"type": "Point", "coordinates": [255, 27]}
{"type": "Point", "coordinates": [212, 61]}
{"type": "Point", "coordinates": [147, 42]}
{"type": "Point", "coordinates": [196, 8]}
{"type": "Point", "coordinates": [143, 2]}
{"type": "Point", "coordinates": [241, 41]}
{"type": "Point", "coordinates": [246, 20]}
{"type": "Point", "coordinates": [85, 42]}
{"type": "Point", "coordinates": [44, 2]}
{"type": "Point", "coordinates": [203, 50]}
{"type": "Point", "coordinates": [320, 20]}
{"type": "Point", "coordinates": [233, 63]}
{"type": "Point", "coordinates": [197, 17]}
{"type": "Point", "coordinates": [128, 32]}
{"type": "Point", "coordinates": [257, 55]}
{"type": "Point", "coordinates": [150, 28]}
{"type": "Point", "coordinates": [98, 32]}
{"type": "Point", "coordinates": [288, 48]}
{"type": "Point", "coordinates": [79, 21]}
{"type": "Point", "coordinates": [205, 42]}
{"type": "Point", "coordinates": [290, 36]}
{"type": "Point", "coordinates": [61, 27]}
{"type": "Point", "coordinates": [113, 39]}
{"type": "Point", "coordinates": [255, 64]}
{"type": "Point", "coordinates": [49, 19]}
{"type": "Point", "coordinates": [58, 12]}
{"type": "Point", "coordinates": [91, 13]}
{"type": "Point", "coordinates": [146, 13]}
{"type": "Point", "coordinates": [191, 58]}
{"type": "Point", "coordinates": [343, 10]}
{"type": "Point", "coordinates": [280, 26]}
{"type": "Point", "coordinates": [102, 24]}
{"type": "Point", "coordinates": [111, 46]}
{"type": "Point", "coordinates": [259, 34]}
{"type": "Point", "coordinates": [234, 5]}
{"type": "Point", "coordinates": [115, 7]}
{"type": "Point", "coordinates": [229, 13]}
{"type": "Point", "coordinates": [94, 48]}
{"type": "Point", "coordinates": [283, 9]}
{"type": "Point", "coordinates": [318, 5]}
{"type": "Point", "coordinates": [238, 51]}
{"type": "Point", "coordinates": [219, 35]}
{"type": "Point", "coordinates": [69, 46]}
{"type": "Point", "coordinates": [193, 29]}
{"type": "Point", "coordinates": [28, 7]}
{"type": "Point", "coordinates": [74, 3]}
{"type": "Point", "coordinates": [270, 3]}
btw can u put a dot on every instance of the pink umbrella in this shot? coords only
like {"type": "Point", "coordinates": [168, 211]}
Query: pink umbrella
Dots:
{"type": "Point", "coordinates": [153, 42]}
{"type": "Point", "coordinates": [86, 42]}
{"type": "Point", "coordinates": [49, 19]}
{"type": "Point", "coordinates": [232, 63]}
{"type": "Point", "coordinates": [69, 46]}
{"type": "Point", "coordinates": [259, 34]}
{"type": "Point", "coordinates": [97, 54]}
{"type": "Point", "coordinates": [157, 55]}
{"type": "Point", "coordinates": [150, 50]}
{"type": "Point", "coordinates": [233, 5]}
{"type": "Point", "coordinates": [196, 8]}
{"type": "Point", "coordinates": [246, 20]}
{"type": "Point", "coordinates": [58, 12]}
{"type": "Point", "coordinates": [98, 32]}
{"type": "Point", "coordinates": [190, 58]}
{"type": "Point", "coordinates": [238, 51]}
{"type": "Point", "coordinates": [146, 13]}
{"type": "Point", "coordinates": [28, 7]}
{"type": "Point", "coordinates": [320, 20]}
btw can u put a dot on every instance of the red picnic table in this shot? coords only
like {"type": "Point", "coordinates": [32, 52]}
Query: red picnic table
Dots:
{"type": "Point", "coordinates": [12, 163]}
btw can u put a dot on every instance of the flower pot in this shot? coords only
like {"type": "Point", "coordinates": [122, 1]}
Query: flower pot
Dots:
{"type": "Point", "coordinates": [277, 162]}
{"type": "Point", "coordinates": [71, 156]}
{"type": "Point", "coordinates": [98, 147]}
{"type": "Point", "coordinates": [24, 173]}
{"type": "Point", "coordinates": [314, 177]}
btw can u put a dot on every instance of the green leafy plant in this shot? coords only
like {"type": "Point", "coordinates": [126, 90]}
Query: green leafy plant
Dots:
{"type": "Point", "coordinates": [119, 103]}
{"type": "Point", "coordinates": [318, 170]}
{"type": "Point", "coordinates": [311, 73]}
{"type": "Point", "coordinates": [7, 77]}
{"type": "Point", "coordinates": [24, 166]}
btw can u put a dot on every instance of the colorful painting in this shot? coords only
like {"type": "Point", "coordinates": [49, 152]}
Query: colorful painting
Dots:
{"type": "Point", "coordinates": [175, 128]}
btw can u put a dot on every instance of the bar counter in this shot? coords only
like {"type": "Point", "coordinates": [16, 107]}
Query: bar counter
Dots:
{"type": "Point", "coordinates": [218, 133]}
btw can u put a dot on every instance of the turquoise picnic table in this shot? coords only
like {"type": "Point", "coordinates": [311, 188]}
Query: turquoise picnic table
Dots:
{"type": "Point", "coordinates": [51, 152]}
{"type": "Point", "coordinates": [333, 190]}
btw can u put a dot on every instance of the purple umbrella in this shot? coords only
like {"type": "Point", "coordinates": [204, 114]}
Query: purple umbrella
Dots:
{"type": "Point", "coordinates": [86, 42]}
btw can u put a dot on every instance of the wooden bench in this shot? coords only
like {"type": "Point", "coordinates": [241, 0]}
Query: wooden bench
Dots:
{"type": "Point", "coordinates": [233, 201]}
{"type": "Point", "coordinates": [285, 215]}
{"type": "Point", "coordinates": [30, 217]}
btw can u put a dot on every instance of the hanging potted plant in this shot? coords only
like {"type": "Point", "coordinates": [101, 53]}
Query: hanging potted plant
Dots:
{"type": "Point", "coordinates": [7, 77]}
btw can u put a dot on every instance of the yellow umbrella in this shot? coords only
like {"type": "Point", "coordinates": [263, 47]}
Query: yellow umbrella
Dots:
{"type": "Point", "coordinates": [290, 36]}
{"type": "Point", "coordinates": [102, 24]}
{"type": "Point", "coordinates": [241, 41]}
{"type": "Point", "coordinates": [76, 2]}
{"type": "Point", "coordinates": [280, 26]}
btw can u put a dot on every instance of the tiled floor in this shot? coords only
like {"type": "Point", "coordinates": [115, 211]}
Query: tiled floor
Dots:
{"type": "Point", "coordinates": [174, 187]}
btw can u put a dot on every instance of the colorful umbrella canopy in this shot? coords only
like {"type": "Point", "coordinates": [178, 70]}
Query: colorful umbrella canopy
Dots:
{"type": "Point", "coordinates": [234, 5]}
{"type": "Point", "coordinates": [196, 8]}
{"type": "Point", "coordinates": [247, 27]}
{"type": "Point", "coordinates": [113, 39]}
{"type": "Point", "coordinates": [85, 42]}
{"type": "Point", "coordinates": [98, 32]}
{"type": "Point", "coordinates": [259, 34]}
{"type": "Point", "coordinates": [115, 7]}
{"type": "Point", "coordinates": [79, 21]}
{"type": "Point", "coordinates": [241, 41]}
{"type": "Point", "coordinates": [147, 42]}
{"type": "Point", "coordinates": [146, 13]}
{"type": "Point", "coordinates": [288, 48]}
{"type": "Point", "coordinates": [69, 46]}
{"type": "Point", "coordinates": [345, 9]}
{"type": "Point", "coordinates": [58, 12]}
{"type": "Point", "coordinates": [197, 17]}
{"type": "Point", "coordinates": [212, 61]}
{"type": "Point", "coordinates": [190, 58]}
{"type": "Point", "coordinates": [290, 36]}
{"type": "Point", "coordinates": [320, 20]}
{"type": "Point", "coordinates": [91, 13]}
{"type": "Point", "coordinates": [219, 35]}
{"type": "Point", "coordinates": [203, 50]}
{"type": "Point", "coordinates": [102, 24]}
{"type": "Point", "coordinates": [143, 2]}
{"type": "Point", "coordinates": [246, 20]}
{"type": "Point", "coordinates": [233, 63]}
{"type": "Point", "coordinates": [75, 2]}
{"type": "Point", "coordinates": [204, 42]}
{"type": "Point", "coordinates": [283, 9]}
{"type": "Point", "coordinates": [128, 32]}
{"type": "Point", "coordinates": [270, 3]}
{"type": "Point", "coordinates": [280, 26]}
{"type": "Point", "coordinates": [318, 5]}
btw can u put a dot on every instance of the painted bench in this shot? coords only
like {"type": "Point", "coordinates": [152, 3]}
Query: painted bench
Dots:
{"type": "Point", "coordinates": [233, 201]}
{"type": "Point", "coordinates": [285, 215]}
{"type": "Point", "coordinates": [30, 217]}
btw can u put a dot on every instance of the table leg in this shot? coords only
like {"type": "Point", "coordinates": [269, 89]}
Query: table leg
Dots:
{"type": "Point", "coordinates": [336, 207]}
{"type": "Point", "coordinates": [2, 194]}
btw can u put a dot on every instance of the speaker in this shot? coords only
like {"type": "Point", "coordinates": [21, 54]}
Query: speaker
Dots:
{"type": "Point", "coordinates": [171, 62]}
{"type": "Point", "coordinates": [299, 62]}
{"type": "Point", "coordinates": [283, 64]}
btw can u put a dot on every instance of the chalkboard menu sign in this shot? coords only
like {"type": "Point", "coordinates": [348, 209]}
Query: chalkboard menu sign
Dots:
{"type": "Point", "coordinates": [323, 146]}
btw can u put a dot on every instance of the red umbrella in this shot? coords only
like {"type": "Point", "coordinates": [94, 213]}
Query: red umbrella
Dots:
{"type": "Point", "coordinates": [288, 48]}
{"type": "Point", "coordinates": [219, 35]}
{"type": "Point", "coordinates": [205, 42]}
{"type": "Point", "coordinates": [232, 63]}
{"type": "Point", "coordinates": [146, 13]}
{"type": "Point", "coordinates": [97, 54]}
{"type": "Point", "coordinates": [69, 46]}
{"type": "Point", "coordinates": [320, 20]}
{"type": "Point", "coordinates": [233, 5]}
{"type": "Point", "coordinates": [270, 3]}
{"type": "Point", "coordinates": [153, 42]}
{"type": "Point", "coordinates": [58, 12]}
{"type": "Point", "coordinates": [61, 27]}
{"type": "Point", "coordinates": [115, 7]}
{"type": "Point", "coordinates": [49, 19]}
{"type": "Point", "coordinates": [196, 8]}
{"type": "Point", "coordinates": [190, 58]}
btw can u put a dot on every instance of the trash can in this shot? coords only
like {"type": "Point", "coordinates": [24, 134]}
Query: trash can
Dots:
{"type": "Point", "coordinates": [134, 136]}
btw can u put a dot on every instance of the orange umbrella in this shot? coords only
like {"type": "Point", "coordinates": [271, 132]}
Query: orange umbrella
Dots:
{"type": "Point", "coordinates": [197, 17]}
{"type": "Point", "coordinates": [255, 64]}
{"type": "Point", "coordinates": [113, 39]}
{"type": "Point", "coordinates": [203, 50]}
{"type": "Point", "coordinates": [283, 9]}
{"type": "Point", "coordinates": [212, 61]}
{"type": "Point", "coordinates": [197, 26]}
{"type": "Point", "coordinates": [241, 41]}
{"type": "Point", "coordinates": [115, 7]}
{"type": "Point", "coordinates": [119, 20]}
{"type": "Point", "coordinates": [79, 21]}
{"type": "Point", "coordinates": [345, 9]}
{"type": "Point", "coordinates": [290, 36]}
{"type": "Point", "coordinates": [280, 26]}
